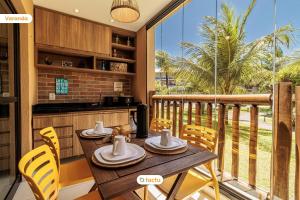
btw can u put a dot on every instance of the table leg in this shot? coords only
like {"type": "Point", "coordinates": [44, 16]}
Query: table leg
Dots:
{"type": "Point", "coordinates": [176, 185]}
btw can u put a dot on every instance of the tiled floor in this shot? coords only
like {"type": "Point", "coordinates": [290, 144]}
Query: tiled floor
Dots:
{"type": "Point", "coordinates": [72, 192]}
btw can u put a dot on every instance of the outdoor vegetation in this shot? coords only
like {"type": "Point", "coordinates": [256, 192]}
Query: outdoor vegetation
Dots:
{"type": "Point", "coordinates": [241, 68]}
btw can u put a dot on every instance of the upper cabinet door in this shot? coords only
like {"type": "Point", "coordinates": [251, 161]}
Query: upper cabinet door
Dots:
{"type": "Point", "coordinates": [47, 29]}
{"type": "Point", "coordinates": [70, 29]}
{"type": "Point", "coordinates": [61, 30]}
{"type": "Point", "coordinates": [102, 39]}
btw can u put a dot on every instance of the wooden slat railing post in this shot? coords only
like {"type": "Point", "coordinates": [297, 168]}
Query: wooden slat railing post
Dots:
{"type": "Point", "coordinates": [235, 141]}
{"type": "Point", "coordinates": [190, 107]}
{"type": "Point", "coordinates": [198, 114]}
{"type": "Point", "coordinates": [174, 118]}
{"type": "Point", "coordinates": [180, 120]}
{"type": "Point", "coordinates": [209, 115]}
{"type": "Point", "coordinates": [221, 131]}
{"type": "Point", "coordinates": [162, 109]}
{"type": "Point", "coordinates": [253, 145]}
{"type": "Point", "coordinates": [297, 131]}
{"type": "Point", "coordinates": [282, 141]}
{"type": "Point", "coordinates": [157, 109]}
{"type": "Point", "coordinates": [168, 110]}
{"type": "Point", "coordinates": [151, 106]}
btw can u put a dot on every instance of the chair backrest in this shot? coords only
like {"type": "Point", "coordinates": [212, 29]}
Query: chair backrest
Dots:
{"type": "Point", "coordinates": [49, 136]}
{"type": "Point", "coordinates": [158, 124]}
{"type": "Point", "coordinates": [39, 169]}
{"type": "Point", "coordinates": [200, 136]}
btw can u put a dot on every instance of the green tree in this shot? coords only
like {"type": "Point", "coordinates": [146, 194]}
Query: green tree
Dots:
{"type": "Point", "coordinates": [290, 71]}
{"type": "Point", "coordinates": [238, 62]}
{"type": "Point", "coordinates": [164, 63]}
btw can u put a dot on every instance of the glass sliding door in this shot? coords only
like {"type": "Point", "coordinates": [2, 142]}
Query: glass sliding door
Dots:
{"type": "Point", "coordinates": [9, 104]}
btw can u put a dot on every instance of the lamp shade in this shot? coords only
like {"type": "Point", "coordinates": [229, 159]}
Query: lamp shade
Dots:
{"type": "Point", "coordinates": [125, 11]}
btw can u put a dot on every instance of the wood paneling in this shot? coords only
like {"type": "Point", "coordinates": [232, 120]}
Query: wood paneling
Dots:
{"type": "Point", "coordinates": [141, 66]}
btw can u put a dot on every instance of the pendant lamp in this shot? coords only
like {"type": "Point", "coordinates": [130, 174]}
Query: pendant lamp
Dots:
{"type": "Point", "coordinates": [126, 11]}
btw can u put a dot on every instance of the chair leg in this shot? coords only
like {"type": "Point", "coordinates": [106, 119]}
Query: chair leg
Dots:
{"type": "Point", "coordinates": [146, 193]}
{"type": "Point", "coordinates": [215, 180]}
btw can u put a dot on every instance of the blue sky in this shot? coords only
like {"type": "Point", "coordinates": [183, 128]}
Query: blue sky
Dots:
{"type": "Point", "coordinates": [261, 21]}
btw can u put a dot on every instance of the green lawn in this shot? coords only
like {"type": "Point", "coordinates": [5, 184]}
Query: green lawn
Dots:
{"type": "Point", "coordinates": [263, 156]}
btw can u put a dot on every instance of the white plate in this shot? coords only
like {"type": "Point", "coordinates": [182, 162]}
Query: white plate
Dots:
{"type": "Point", "coordinates": [107, 155]}
{"type": "Point", "coordinates": [175, 144]}
{"type": "Point", "coordinates": [92, 132]}
{"type": "Point", "coordinates": [140, 152]}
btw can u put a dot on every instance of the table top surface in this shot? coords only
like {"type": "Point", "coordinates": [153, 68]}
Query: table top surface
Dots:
{"type": "Point", "coordinates": [114, 182]}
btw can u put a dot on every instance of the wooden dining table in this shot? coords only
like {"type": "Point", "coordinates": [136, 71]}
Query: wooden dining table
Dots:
{"type": "Point", "coordinates": [115, 182]}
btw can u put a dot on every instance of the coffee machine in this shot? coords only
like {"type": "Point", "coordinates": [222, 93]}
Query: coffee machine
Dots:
{"type": "Point", "coordinates": [141, 121]}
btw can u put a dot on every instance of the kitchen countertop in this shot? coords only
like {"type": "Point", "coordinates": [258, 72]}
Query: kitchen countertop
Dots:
{"type": "Point", "coordinates": [77, 107]}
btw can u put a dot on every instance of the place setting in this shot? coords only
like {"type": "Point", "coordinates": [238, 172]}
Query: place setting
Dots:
{"type": "Point", "coordinates": [165, 144]}
{"type": "Point", "coordinates": [98, 132]}
{"type": "Point", "coordinates": [118, 154]}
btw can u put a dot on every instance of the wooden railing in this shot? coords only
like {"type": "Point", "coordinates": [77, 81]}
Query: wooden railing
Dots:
{"type": "Point", "coordinates": [174, 107]}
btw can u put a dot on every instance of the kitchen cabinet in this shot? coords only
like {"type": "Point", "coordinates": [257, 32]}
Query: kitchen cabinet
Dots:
{"type": "Point", "coordinates": [66, 125]}
{"type": "Point", "coordinates": [61, 30]}
{"type": "Point", "coordinates": [47, 29]}
{"type": "Point", "coordinates": [63, 125]}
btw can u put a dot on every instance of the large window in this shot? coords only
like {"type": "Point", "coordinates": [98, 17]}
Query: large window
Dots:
{"type": "Point", "coordinates": [232, 47]}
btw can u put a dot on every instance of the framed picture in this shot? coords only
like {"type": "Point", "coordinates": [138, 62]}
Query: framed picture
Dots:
{"type": "Point", "coordinates": [61, 86]}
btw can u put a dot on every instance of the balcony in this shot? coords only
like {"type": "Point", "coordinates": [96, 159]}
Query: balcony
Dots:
{"type": "Point", "coordinates": [244, 165]}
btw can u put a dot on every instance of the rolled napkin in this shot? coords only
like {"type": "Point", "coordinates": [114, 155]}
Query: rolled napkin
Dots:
{"type": "Point", "coordinates": [122, 130]}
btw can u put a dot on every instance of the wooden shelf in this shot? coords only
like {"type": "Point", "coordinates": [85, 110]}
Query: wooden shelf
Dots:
{"type": "Point", "coordinates": [75, 69]}
{"type": "Point", "coordinates": [123, 47]}
{"type": "Point", "coordinates": [72, 52]}
{"type": "Point", "coordinates": [116, 59]}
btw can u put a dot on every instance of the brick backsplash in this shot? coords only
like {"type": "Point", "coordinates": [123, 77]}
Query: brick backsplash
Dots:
{"type": "Point", "coordinates": [83, 87]}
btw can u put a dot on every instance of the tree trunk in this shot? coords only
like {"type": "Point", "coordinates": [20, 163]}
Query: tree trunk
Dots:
{"type": "Point", "coordinates": [167, 80]}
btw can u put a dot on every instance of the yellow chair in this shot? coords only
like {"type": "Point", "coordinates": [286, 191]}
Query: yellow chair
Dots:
{"type": "Point", "coordinates": [40, 171]}
{"type": "Point", "coordinates": [68, 172]}
{"type": "Point", "coordinates": [158, 124]}
{"type": "Point", "coordinates": [194, 181]}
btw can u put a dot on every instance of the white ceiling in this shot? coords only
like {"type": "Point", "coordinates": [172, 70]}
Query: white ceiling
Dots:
{"type": "Point", "coordinates": [99, 10]}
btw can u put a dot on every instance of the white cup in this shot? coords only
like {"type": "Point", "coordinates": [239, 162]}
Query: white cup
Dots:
{"type": "Point", "coordinates": [165, 138]}
{"type": "Point", "coordinates": [99, 127]}
{"type": "Point", "coordinates": [119, 146]}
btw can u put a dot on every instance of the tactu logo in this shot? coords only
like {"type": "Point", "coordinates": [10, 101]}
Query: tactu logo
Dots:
{"type": "Point", "coordinates": [150, 179]}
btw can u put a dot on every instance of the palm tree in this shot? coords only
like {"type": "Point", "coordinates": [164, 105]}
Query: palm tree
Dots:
{"type": "Point", "coordinates": [237, 60]}
{"type": "Point", "coordinates": [164, 62]}
{"type": "Point", "coordinates": [290, 69]}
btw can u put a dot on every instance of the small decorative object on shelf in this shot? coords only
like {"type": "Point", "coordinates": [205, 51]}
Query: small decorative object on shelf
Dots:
{"type": "Point", "coordinates": [48, 61]}
{"type": "Point", "coordinates": [103, 65]}
{"type": "Point", "coordinates": [118, 67]}
{"type": "Point", "coordinates": [117, 39]}
{"type": "Point", "coordinates": [61, 86]}
{"type": "Point", "coordinates": [115, 53]}
{"type": "Point", "coordinates": [66, 63]}
{"type": "Point", "coordinates": [128, 42]}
